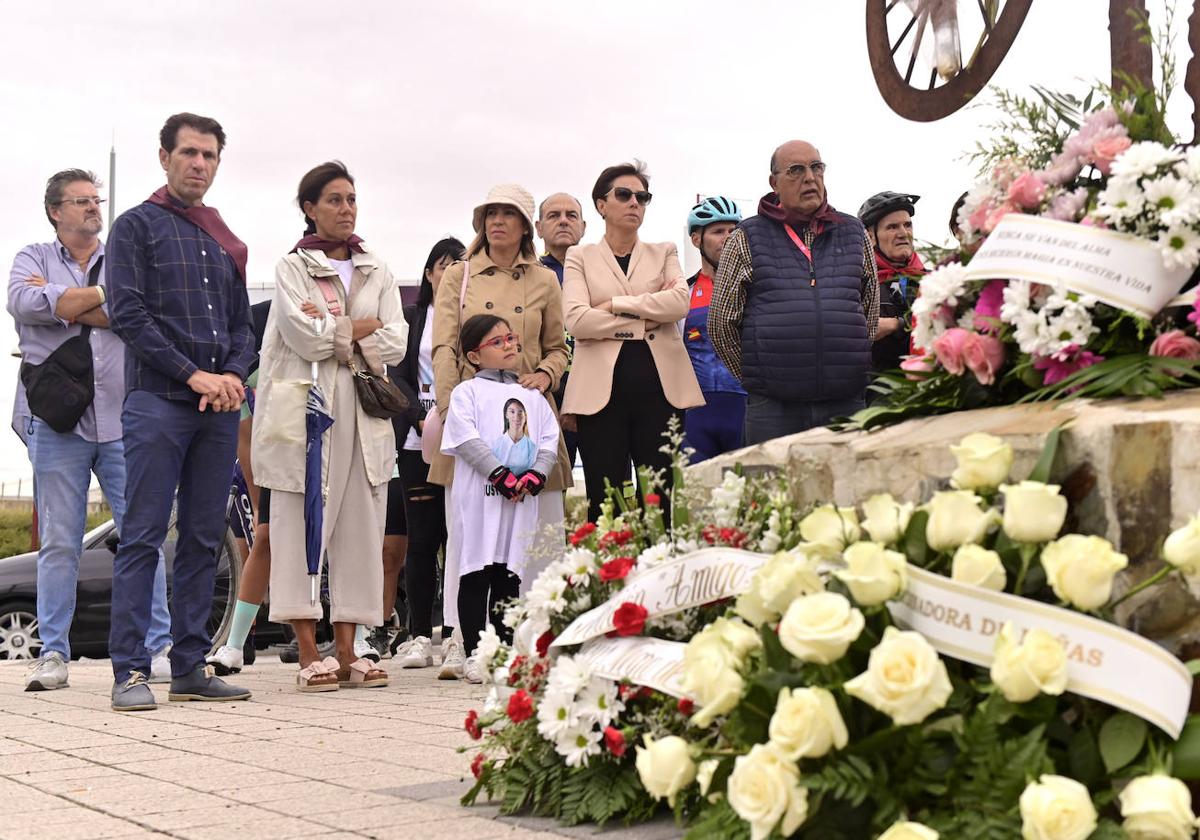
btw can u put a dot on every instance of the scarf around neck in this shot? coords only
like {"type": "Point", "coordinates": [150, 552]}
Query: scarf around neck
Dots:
{"type": "Point", "coordinates": [312, 242]}
{"type": "Point", "coordinates": [209, 221]}
{"type": "Point", "coordinates": [887, 271]}
{"type": "Point", "coordinates": [818, 220]}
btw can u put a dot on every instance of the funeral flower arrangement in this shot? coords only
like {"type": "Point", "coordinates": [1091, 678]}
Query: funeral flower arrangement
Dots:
{"type": "Point", "coordinates": [809, 700]}
{"type": "Point", "coordinates": [1106, 162]}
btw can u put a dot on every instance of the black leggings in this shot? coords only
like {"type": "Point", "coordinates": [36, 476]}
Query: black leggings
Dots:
{"type": "Point", "coordinates": [425, 509]}
{"type": "Point", "coordinates": [629, 428]}
{"type": "Point", "coordinates": [479, 596]}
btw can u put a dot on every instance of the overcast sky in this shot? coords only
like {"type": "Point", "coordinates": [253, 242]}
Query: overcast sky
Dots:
{"type": "Point", "coordinates": [430, 104]}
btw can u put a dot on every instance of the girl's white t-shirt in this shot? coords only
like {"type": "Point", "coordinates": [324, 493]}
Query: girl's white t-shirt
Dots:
{"type": "Point", "coordinates": [425, 392]}
{"type": "Point", "coordinates": [490, 528]}
{"type": "Point", "coordinates": [345, 270]}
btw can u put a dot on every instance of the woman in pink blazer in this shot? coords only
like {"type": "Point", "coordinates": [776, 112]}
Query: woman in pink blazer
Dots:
{"type": "Point", "coordinates": [622, 299]}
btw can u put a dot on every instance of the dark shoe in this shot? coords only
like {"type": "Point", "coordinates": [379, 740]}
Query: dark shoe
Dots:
{"type": "Point", "coordinates": [133, 695]}
{"type": "Point", "coordinates": [201, 685]}
{"type": "Point", "coordinates": [249, 652]}
{"type": "Point", "coordinates": [290, 653]}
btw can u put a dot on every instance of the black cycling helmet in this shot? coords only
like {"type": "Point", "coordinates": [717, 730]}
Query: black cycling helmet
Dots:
{"type": "Point", "coordinates": [880, 204]}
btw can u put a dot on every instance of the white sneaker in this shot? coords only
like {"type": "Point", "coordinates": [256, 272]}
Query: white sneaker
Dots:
{"type": "Point", "coordinates": [160, 666]}
{"type": "Point", "coordinates": [47, 673]}
{"type": "Point", "coordinates": [415, 653]}
{"type": "Point", "coordinates": [227, 660]}
{"type": "Point", "coordinates": [364, 650]}
{"type": "Point", "coordinates": [453, 659]}
{"type": "Point", "coordinates": [473, 671]}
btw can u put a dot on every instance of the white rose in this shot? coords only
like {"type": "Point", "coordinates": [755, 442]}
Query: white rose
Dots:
{"type": "Point", "coordinates": [704, 774]}
{"type": "Point", "coordinates": [734, 635]}
{"type": "Point", "coordinates": [710, 667]}
{"type": "Point", "coordinates": [1056, 808]}
{"type": "Point", "coordinates": [1036, 665]}
{"type": "Point", "coordinates": [806, 724]}
{"type": "Point", "coordinates": [665, 766]}
{"type": "Point", "coordinates": [1182, 548]}
{"type": "Point", "coordinates": [1033, 512]}
{"type": "Point", "coordinates": [1157, 808]}
{"type": "Point", "coordinates": [904, 679]}
{"type": "Point", "coordinates": [874, 574]}
{"type": "Point", "coordinates": [764, 790]}
{"type": "Point", "coordinates": [978, 566]}
{"type": "Point", "coordinates": [886, 518]}
{"type": "Point", "coordinates": [783, 579]}
{"type": "Point", "coordinates": [1081, 569]}
{"type": "Point", "coordinates": [818, 628]}
{"type": "Point", "coordinates": [827, 530]}
{"type": "Point", "coordinates": [955, 519]}
{"type": "Point", "coordinates": [983, 462]}
{"type": "Point", "coordinates": [909, 831]}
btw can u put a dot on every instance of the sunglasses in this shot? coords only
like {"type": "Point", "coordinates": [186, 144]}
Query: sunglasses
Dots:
{"type": "Point", "coordinates": [500, 341]}
{"type": "Point", "coordinates": [623, 194]}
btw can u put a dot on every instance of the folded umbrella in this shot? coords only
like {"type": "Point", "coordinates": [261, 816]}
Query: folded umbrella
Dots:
{"type": "Point", "coordinates": [316, 422]}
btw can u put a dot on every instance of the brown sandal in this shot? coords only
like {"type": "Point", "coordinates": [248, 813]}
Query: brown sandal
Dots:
{"type": "Point", "coordinates": [362, 673]}
{"type": "Point", "coordinates": [321, 675]}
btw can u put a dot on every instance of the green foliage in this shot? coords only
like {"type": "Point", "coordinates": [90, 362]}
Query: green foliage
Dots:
{"type": "Point", "coordinates": [16, 527]}
{"type": "Point", "coordinates": [720, 821]}
{"type": "Point", "coordinates": [1186, 751]}
{"type": "Point", "coordinates": [1045, 462]}
{"type": "Point", "coordinates": [1130, 375]}
{"type": "Point", "coordinates": [1121, 740]}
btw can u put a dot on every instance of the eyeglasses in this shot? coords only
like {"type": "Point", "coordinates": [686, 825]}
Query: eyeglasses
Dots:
{"type": "Point", "coordinates": [83, 201]}
{"type": "Point", "coordinates": [500, 341]}
{"type": "Point", "coordinates": [623, 194]}
{"type": "Point", "coordinates": [798, 170]}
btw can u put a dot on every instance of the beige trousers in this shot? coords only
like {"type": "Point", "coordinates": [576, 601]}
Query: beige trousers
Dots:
{"type": "Point", "coordinates": [353, 530]}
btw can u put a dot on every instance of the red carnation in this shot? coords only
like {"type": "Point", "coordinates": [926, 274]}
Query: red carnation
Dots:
{"type": "Point", "coordinates": [583, 532]}
{"type": "Point", "coordinates": [653, 500]}
{"type": "Point", "coordinates": [477, 765]}
{"type": "Point", "coordinates": [629, 619]}
{"type": "Point", "coordinates": [472, 725]}
{"type": "Point", "coordinates": [686, 706]}
{"type": "Point", "coordinates": [543, 643]}
{"type": "Point", "coordinates": [615, 538]}
{"type": "Point", "coordinates": [520, 706]}
{"type": "Point", "coordinates": [616, 569]}
{"type": "Point", "coordinates": [614, 740]}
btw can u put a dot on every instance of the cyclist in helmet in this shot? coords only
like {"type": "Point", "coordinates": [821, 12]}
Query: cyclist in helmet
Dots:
{"type": "Point", "coordinates": [716, 426]}
{"type": "Point", "coordinates": [888, 216]}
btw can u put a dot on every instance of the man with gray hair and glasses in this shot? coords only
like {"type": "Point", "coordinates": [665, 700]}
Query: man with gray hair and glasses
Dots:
{"type": "Point", "coordinates": [796, 303]}
{"type": "Point", "coordinates": [57, 296]}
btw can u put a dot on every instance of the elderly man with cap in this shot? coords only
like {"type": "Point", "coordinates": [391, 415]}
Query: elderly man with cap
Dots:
{"type": "Point", "coordinates": [500, 276]}
{"type": "Point", "coordinates": [796, 303]}
{"type": "Point", "coordinates": [888, 216]}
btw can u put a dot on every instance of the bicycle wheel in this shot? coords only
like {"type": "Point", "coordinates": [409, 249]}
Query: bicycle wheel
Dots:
{"type": "Point", "coordinates": [225, 589]}
{"type": "Point", "coordinates": [904, 56]}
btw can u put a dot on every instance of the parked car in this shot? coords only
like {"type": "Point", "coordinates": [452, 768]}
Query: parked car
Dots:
{"type": "Point", "coordinates": [89, 631]}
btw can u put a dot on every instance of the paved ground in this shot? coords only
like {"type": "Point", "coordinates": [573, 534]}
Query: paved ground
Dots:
{"type": "Point", "coordinates": [377, 763]}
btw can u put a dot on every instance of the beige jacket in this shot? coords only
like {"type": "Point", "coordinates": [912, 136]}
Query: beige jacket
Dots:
{"type": "Point", "coordinates": [646, 304]}
{"type": "Point", "coordinates": [529, 298]}
{"type": "Point", "coordinates": [293, 341]}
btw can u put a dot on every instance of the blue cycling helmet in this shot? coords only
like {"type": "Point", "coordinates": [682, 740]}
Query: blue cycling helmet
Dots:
{"type": "Point", "coordinates": [713, 209]}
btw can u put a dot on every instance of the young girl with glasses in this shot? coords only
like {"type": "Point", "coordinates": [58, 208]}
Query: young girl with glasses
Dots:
{"type": "Point", "coordinates": [495, 501]}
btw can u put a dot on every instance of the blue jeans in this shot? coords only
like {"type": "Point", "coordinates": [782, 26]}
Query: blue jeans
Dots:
{"type": "Point", "coordinates": [715, 427]}
{"type": "Point", "coordinates": [169, 445]}
{"type": "Point", "coordinates": [767, 418]}
{"type": "Point", "coordinates": [63, 464]}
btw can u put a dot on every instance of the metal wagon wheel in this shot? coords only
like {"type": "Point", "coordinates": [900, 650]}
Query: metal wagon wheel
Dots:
{"type": "Point", "coordinates": [907, 39]}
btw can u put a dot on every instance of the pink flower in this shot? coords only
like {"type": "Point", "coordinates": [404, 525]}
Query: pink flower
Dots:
{"type": "Point", "coordinates": [987, 307]}
{"type": "Point", "coordinates": [983, 355]}
{"type": "Point", "coordinates": [996, 215]}
{"type": "Point", "coordinates": [980, 216]}
{"type": "Point", "coordinates": [1194, 315]}
{"type": "Point", "coordinates": [1026, 192]}
{"type": "Point", "coordinates": [1066, 206]}
{"type": "Point", "coordinates": [1106, 149]}
{"type": "Point", "coordinates": [1175, 345]}
{"type": "Point", "coordinates": [1063, 363]}
{"type": "Point", "coordinates": [948, 347]}
{"type": "Point", "coordinates": [917, 366]}
{"type": "Point", "coordinates": [1089, 221]}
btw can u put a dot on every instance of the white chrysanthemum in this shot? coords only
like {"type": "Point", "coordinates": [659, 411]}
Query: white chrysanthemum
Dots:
{"type": "Point", "coordinates": [489, 643]}
{"type": "Point", "coordinates": [726, 500]}
{"type": "Point", "coordinates": [569, 676]}
{"type": "Point", "coordinates": [939, 289]}
{"type": "Point", "coordinates": [599, 703]}
{"type": "Point", "coordinates": [1121, 201]}
{"type": "Point", "coordinates": [577, 744]}
{"type": "Point", "coordinates": [548, 595]}
{"type": "Point", "coordinates": [514, 614]}
{"type": "Point", "coordinates": [653, 556]}
{"type": "Point", "coordinates": [493, 703]}
{"type": "Point", "coordinates": [579, 563]}
{"type": "Point", "coordinates": [1049, 321]}
{"type": "Point", "coordinates": [1180, 248]}
{"type": "Point", "coordinates": [1189, 167]}
{"type": "Point", "coordinates": [1144, 159]}
{"type": "Point", "coordinates": [1172, 199]}
{"type": "Point", "coordinates": [556, 714]}
{"type": "Point", "coordinates": [687, 545]}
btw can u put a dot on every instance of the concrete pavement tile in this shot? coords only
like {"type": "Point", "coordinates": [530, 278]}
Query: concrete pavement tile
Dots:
{"type": "Point", "coordinates": [345, 799]}
{"type": "Point", "coordinates": [88, 771]}
{"type": "Point", "coordinates": [91, 825]}
{"type": "Point", "coordinates": [121, 753]}
{"type": "Point", "coordinates": [451, 828]}
{"type": "Point", "coordinates": [396, 813]}
{"type": "Point", "coordinates": [21, 763]}
{"type": "Point", "coordinates": [267, 828]}
{"type": "Point", "coordinates": [287, 790]}
{"type": "Point", "coordinates": [193, 817]}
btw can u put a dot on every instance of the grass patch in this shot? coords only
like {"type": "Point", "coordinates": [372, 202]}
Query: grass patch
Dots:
{"type": "Point", "coordinates": [16, 525]}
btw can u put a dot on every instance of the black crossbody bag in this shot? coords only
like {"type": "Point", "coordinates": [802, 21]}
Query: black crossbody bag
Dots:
{"type": "Point", "coordinates": [60, 389]}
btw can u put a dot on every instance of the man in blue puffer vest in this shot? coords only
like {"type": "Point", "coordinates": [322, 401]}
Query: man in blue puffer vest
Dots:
{"type": "Point", "coordinates": [715, 427]}
{"type": "Point", "coordinates": [796, 303]}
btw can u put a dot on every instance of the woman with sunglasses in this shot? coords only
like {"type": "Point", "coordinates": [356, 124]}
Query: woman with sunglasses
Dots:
{"type": "Point", "coordinates": [505, 278]}
{"type": "Point", "coordinates": [622, 299]}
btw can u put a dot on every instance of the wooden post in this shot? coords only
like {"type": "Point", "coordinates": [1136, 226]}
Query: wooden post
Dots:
{"type": "Point", "coordinates": [1132, 59]}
